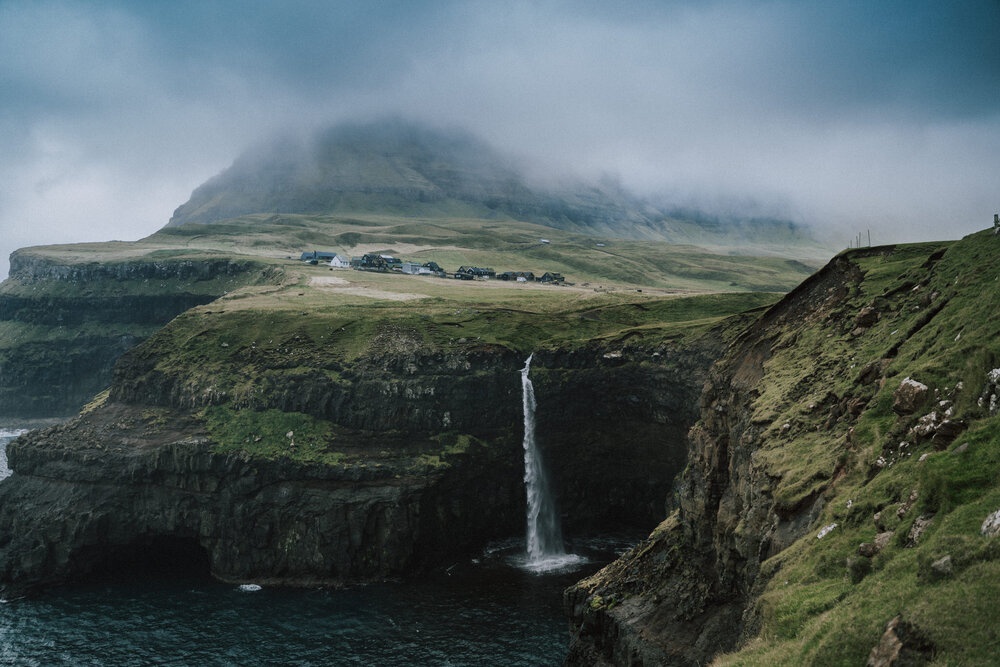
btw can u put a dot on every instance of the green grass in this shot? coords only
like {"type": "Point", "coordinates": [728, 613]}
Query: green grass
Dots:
{"type": "Point", "coordinates": [506, 245]}
{"type": "Point", "coordinates": [271, 434]}
{"type": "Point", "coordinates": [274, 434]}
{"type": "Point", "coordinates": [816, 613]}
{"type": "Point", "coordinates": [14, 335]}
{"type": "Point", "coordinates": [228, 346]}
{"type": "Point", "coordinates": [824, 603]}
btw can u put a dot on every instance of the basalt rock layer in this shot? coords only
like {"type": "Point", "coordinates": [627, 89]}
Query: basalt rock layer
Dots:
{"type": "Point", "coordinates": [420, 459]}
{"type": "Point", "coordinates": [109, 491]}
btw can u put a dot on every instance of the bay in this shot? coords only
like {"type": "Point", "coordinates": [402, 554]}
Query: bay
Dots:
{"type": "Point", "coordinates": [477, 611]}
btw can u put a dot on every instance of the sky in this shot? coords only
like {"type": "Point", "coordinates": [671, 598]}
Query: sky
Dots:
{"type": "Point", "coordinates": [847, 115]}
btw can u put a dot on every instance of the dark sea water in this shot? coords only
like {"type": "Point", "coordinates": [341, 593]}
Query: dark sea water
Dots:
{"type": "Point", "coordinates": [479, 611]}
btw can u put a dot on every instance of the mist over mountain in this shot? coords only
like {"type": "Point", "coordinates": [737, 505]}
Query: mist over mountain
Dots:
{"type": "Point", "coordinates": [397, 167]}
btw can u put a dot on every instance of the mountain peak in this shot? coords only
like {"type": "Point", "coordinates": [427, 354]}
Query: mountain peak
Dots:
{"type": "Point", "coordinates": [396, 167]}
{"type": "Point", "coordinates": [391, 164]}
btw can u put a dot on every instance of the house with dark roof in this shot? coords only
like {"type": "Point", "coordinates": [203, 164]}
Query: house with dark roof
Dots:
{"type": "Point", "coordinates": [519, 276]}
{"type": "Point", "coordinates": [550, 277]}
{"type": "Point", "coordinates": [317, 256]}
{"type": "Point", "coordinates": [474, 273]}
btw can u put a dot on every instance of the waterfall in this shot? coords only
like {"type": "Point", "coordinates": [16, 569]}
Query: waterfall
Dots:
{"type": "Point", "coordinates": [543, 536]}
{"type": "Point", "coordinates": [5, 437]}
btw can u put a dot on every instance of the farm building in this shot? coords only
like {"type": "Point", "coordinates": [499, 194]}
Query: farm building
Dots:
{"type": "Point", "coordinates": [414, 269]}
{"type": "Point", "coordinates": [474, 273]}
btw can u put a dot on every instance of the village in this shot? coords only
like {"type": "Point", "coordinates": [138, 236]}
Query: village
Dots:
{"type": "Point", "coordinates": [387, 264]}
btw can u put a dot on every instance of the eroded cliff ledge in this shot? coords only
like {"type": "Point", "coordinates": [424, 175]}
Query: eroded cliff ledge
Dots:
{"type": "Point", "coordinates": [827, 495]}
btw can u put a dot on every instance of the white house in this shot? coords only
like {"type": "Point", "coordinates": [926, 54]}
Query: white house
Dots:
{"type": "Point", "coordinates": [414, 269]}
{"type": "Point", "coordinates": [340, 262]}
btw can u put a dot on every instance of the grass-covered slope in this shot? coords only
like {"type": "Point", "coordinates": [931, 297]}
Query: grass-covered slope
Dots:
{"type": "Point", "coordinates": [888, 475]}
{"type": "Point", "coordinates": [507, 245]}
{"type": "Point", "coordinates": [846, 463]}
{"type": "Point", "coordinates": [68, 311]}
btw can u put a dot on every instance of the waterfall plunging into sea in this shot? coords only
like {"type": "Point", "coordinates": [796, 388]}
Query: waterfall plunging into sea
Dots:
{"type": "Point", "coordinates": [544, 544]}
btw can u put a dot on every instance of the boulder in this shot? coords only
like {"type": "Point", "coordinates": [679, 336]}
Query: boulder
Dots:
{"type": "Point", "coordinates": [941, 431]}
{"type": "Point", "coordinates": [909, 396]}
{"type": "Point", "coordinates": [902, 644]}
{"type": "Point", "coordinates": [866, 317]}
{"type": "Point", "coordinates": [920, 525]}
{"type": "Point", "coordinates": [989, 397]}
{"type": "Point", "coordinates": [870, 549]}
{"type": "Point", "coordinates": [991, 526]}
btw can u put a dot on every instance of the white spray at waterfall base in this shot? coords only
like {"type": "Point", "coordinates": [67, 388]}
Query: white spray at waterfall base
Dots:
{"type": "Point", "coordinates": [544, 550]}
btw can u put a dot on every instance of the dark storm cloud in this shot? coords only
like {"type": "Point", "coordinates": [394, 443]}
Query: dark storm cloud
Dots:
{"type": "Point", "coordinates": [846, 115]}
{"type": "Point", "coordinates": [917, 59]}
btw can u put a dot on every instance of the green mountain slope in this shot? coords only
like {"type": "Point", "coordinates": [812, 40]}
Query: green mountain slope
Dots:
{"type": "Point", "coordinates": [402, 169]}
{"type": "Point", "coordinates": [503, 245]}
{"type": "Point", "coordinates": [67, 312]}
{"type": "Point", "coordinates": [844, 473]}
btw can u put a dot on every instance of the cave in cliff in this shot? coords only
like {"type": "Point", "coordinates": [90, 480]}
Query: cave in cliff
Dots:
{"type": "Point", "coordinates": [154, 557]}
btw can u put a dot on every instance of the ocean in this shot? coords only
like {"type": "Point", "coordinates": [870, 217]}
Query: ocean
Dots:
{"type": "Point", "coordinates": [484, 610]}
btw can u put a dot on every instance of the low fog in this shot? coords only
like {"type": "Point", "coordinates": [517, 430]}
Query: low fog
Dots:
{"type": "Point", "coordinates": [844, 116]}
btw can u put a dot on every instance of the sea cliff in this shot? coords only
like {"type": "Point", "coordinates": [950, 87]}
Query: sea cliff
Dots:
{"type": "Point", "coordinates": [834, 482]}
{"type": "Point", "coordinates": [317, 456]}
{"type": "Point", "coordinates": [68, 312]}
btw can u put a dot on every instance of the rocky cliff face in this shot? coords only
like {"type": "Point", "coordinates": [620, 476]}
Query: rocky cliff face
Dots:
{"type": "Point", "coordinates": [680, 597]}
{"type": "Point", "coordinates": [422, 459]}
{"type": "Point", "coordinates": [66, 323]}
{"type": "Point", "coordinates": [806, 430]}
{"type": "Point", "coordinates": [110, 491]}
